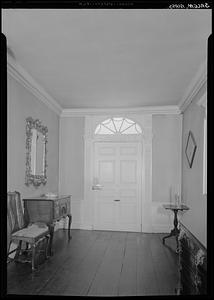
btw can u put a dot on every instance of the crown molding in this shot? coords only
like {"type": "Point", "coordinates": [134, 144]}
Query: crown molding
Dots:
{"type": "Point", "coordinates": [203, 100]}
{"type": "Point", "coordinates": [153, 110]}
{"type": "Point", "coordinates": [194, 87]}
{"type": "Point", "coordinates": [26, 80]}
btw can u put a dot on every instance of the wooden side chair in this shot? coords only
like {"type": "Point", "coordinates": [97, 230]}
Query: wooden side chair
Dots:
{"type": "Point", "coordinates": [17, 230]}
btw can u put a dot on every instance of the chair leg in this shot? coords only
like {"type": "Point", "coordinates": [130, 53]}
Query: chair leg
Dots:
{"type": "Point", "coordinates": [25, 251]}
{"type": "Point", "coordinates": [26, 246]}
{"type": "Point", "coordinates": [8, 251]}
{"type": "Point", "coordinates": [33, 246]}
{"type": "Point", "coordinates": [18, 250]}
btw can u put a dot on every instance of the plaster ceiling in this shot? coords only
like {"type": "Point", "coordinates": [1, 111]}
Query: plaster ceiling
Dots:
{"type": "Point", "coordinates": [113, 58]}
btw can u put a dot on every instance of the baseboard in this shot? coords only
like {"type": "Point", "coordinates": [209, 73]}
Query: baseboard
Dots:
{"type": "Point", "coordinates": [61, 225]}
{"type": "Point", "coordinates": [161, 228]}
{"type": "Point", "coordinates": [81, 226]}
{"type": "Point", "coordinates": [156, 228]}
{"type": "Point", "coordinates": [86, 226]}
{"type": "Point", "coordinates": [146, 228]}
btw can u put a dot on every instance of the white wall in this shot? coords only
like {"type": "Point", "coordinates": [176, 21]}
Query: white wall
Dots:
{"type": "Point", "coordinates": [71, 170]}
{"type": "Point", "coordinates": [192, 179]}
{"type": "Point", "coordinates": [166, 167]}
{"type": "Point", "coordinates": [20, 105]}
{"type": "Point", "coordinates": [166, 158]}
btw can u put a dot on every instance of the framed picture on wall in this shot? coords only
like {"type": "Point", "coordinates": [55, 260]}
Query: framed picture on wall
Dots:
{"type": "Point", "coordinates": [190, 148]}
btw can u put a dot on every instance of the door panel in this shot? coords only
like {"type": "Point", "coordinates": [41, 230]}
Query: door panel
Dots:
{"type": "Point", "coordinates": [117, 168]}
{"type": "Point", "coordinates": [128, 150]}
{"type": "Point", "coordinates": [106, 172]}
{"type": "Point", "coordinates": [106, 212]}
{"type": "Point", "coordinates": [107, 150]}
{"type": "Point", "coordinates": [127, 212]}
{"type": "Point", "coordinates": [127, 193]}
{"type": "Point", "coordinates": [128, 171]}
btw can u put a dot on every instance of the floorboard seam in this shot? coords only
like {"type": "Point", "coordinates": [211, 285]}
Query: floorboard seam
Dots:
{"type": "Point", "coordinates": [154, 264]}
{"type": "Point", "coordinates": [107, 246]}
{"type": "Point", "coordinates": [124, 252]}
{"type": "Point", "coordinates": [61, 267]}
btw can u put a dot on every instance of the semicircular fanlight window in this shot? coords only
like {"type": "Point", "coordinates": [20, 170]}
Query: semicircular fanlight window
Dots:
{"type": "Point", "coordinates": [118, 125]}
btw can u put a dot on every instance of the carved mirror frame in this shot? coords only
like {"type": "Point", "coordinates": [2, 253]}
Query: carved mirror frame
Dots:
{"type": "Point", "coordinates": [30, 178]}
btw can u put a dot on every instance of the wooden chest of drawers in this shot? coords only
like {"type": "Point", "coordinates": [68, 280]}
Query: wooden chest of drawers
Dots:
{"type": "Point", "coordinates": [192, 264]}
{"type": "Point", "coordinates": [47, 210]}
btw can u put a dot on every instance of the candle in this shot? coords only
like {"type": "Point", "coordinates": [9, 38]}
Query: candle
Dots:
{"type": "Point", "coordinates": [171, 194]}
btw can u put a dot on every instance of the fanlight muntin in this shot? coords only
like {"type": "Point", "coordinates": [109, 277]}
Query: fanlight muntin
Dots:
{"type": "Point", "coordinates": [117, 126]}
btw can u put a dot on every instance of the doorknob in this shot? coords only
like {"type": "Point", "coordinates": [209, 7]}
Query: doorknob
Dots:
{"type": "Point", "coordinates": [97, 187]}
{"type": "Point", "coordinates": [117, 200]}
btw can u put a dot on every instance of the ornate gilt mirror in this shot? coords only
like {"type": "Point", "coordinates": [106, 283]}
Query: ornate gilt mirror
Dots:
{"type": "Point", "coordinates": [36, 155]}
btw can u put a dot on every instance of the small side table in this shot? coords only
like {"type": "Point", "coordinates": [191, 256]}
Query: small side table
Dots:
{"type": "Point", "coordinates": [175, 231]}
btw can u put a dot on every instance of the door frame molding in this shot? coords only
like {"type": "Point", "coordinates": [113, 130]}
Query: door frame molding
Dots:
{"type": "Point", "coordinates": [145, 121]}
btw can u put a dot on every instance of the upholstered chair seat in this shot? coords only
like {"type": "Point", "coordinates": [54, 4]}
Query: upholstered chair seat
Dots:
{"type": "Point", "coordinates": [31, 234]}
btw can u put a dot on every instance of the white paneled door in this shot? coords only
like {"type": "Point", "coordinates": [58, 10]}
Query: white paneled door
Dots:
{"type": "Point", "coordinates": [117, 168]}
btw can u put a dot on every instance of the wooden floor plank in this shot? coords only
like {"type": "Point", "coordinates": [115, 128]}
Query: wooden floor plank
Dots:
{"type": "Point", "coordinates": [128, 276]}
{"type": "Point", "coordinates": [107, 277]}
{"type": "Point", "coordinates": [75, 277]}
{"type": "Point", "coordinates": [146, 275]}
{"type": "Point", "coordinates": [167, 277]}
{"type": "Point", "coordinates": [170, 249]}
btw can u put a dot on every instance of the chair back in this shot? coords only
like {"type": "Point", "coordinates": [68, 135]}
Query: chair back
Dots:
{"type": "Point", "coordinates": [15, 214]}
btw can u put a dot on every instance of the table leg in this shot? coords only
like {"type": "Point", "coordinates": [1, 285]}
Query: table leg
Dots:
{"type": "Point", "coordinates": [166, 237]}
{"type": "Point", "coordinates": [175, 230]}
{"type": "Point", "coordinates": [175, 219]}
{"type": "Point", "coordinates": [177, 249]}
{"type": "Point", "coordinates": [69, 226]}
{"type": "Point", "coordinates": [47, 246]}
{"type": "Point", "coordinates": [51, 231]}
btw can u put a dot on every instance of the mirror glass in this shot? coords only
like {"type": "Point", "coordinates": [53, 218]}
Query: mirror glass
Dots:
{"type": "Point", "coordinates": [36, 145]}
{"type": "Point", "coordinates": [39, 154]}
